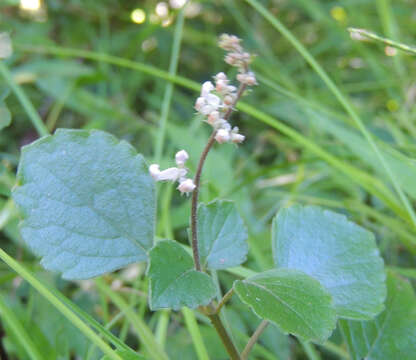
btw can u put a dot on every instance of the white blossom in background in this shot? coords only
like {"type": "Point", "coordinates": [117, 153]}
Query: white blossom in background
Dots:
{"type": "Point", "coordinates": [218, 99]}
{"type": "Point", "coordinates": [173, 174]}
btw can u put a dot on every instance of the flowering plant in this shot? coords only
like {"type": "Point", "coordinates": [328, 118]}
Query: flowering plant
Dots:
{"type": "Point", "coordinates": [325, 267]}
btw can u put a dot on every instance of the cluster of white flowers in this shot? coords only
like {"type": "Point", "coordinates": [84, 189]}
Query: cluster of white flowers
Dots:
{"type": "Point", "coordinates": [216, 101]}
{"type": "Point", "coordinates": [175, 173]}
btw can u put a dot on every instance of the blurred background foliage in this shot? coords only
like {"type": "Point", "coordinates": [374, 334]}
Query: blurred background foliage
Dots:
{"type": "Point", "coordinates": [322, 159]}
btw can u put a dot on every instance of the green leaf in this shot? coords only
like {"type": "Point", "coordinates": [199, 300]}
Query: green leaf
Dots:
{"type": "Point", "coordinates": [392, 334]}
{"type": "Point", "coordinates": [173, 281]}
{"type": "Point", "coordinates": [87, 201]}
{"type": "Point", "coordinates": [126, 355]}
{"type": "Point", "coordinates": [340, 254]}
{"type": "Point", "coordinates": [221, 235]}
{"type": "Point", "coordinates": [297, 303]}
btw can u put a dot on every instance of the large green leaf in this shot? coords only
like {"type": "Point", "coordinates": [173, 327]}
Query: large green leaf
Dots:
{"type": "Point", "coordinates": [88, 203]}
{"type": "Point", "coordinates": [340, 254]}
{"type": "Point", "coordinates": [297, 303]}
{"type": "Point", "coordinates": [174, 282]}
{"type": "Point", "coordinates": [392, 334]}
{"type": "Point", "coordinates": [221, 235]}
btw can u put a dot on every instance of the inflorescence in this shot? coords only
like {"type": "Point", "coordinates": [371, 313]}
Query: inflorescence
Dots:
{"type": "Point", "coordinates": [215, 103]}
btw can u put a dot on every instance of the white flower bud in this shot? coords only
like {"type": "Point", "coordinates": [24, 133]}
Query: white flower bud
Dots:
{"type": "Point", "coordinates": [221, 85]}
{"type": "Point", "coordinates": [213, 100]}
{"type": "Point", "coordinates": [213, 118]}
{"type": "Point", "coordinates": [247, 78]}
{"type": "Point", "coordinates": [237, 138]}
{"type": "Point", "coordinates": [200, 102]}
{"type": "Point", "coordinates": [154, 171]}
{"type": "Point", "coordinates": [231, 88]}
{"type": "Point", "coordinates": [229, 42]}
{"type": "Point", "coordinates": [206, 110]}
{"type": "Point", "coordinates": [181, 157]}
{"type": "Point", "coordinates": [228, 100]}
{"type": "Point", "coordinates": [222, 136]}
{"type": "Point", "coordinates": [186, 186]}
{"type": "Point", "coordinates": [207, 87]}
{"type": "Point", "coordinates": [172, 174]}
{"type": "Point", "coordinates": [220, 76]}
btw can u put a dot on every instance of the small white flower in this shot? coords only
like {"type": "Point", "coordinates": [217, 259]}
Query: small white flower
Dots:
{"type": "Point", "coordinates": [172, 174]}
{"type": "Point", "coordinates": [221, 86]}
{"type": "Point", "coordinates": [222, 136]}
{"type": "Point", "coordinates": [213, 118]}
{"type": "Point", "coordinates": [237, 138]}
{"type": "Point", "coordinates": [207, 87]}
{"type": "Point", "coordinates": [186, 186]}
{"type": "Point", "coordinates": [213, 100]}
{"type": "Point", "coordinates": [181, 157]}
{"type": "Point", "coordinates": [229, 42]}
{"type": "Point", "coordinates": [207, 109]}
{"type": "Point", "coordinates": [228, 100]}
{"type": "Point", "coordinates": [200, 102]}
{"type": "Point", "coordinates": [154, 171]}
{"type": "Point", "coordinates": [247, 78]}
{"type": "Point", "coordinates": [220, 76]}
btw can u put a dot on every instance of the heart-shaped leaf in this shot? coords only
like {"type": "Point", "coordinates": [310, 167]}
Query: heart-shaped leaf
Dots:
{"type": "Point", "coordinates": [174, 282]}
{"type": "Point", "coordinates": [392, 334]}
{"type": "Point", "coordinates": [221, 235]}
{"type": "Point", "coordinates": [340, 254]}
{"type": "Point", "coordinates": [88, 203]}
{"type": "Point", "coordinates": [297, 303]}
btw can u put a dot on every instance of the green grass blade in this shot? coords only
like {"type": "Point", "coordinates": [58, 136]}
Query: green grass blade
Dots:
{"type": "Point", "coordinates": [19, 331]}
{"type": "Point", "coordinates": [196, 336]}
{"type": "Point", "coordinates": [340, 97]}
{"type": "Point", "coordinates": [162, 327]}
{"type": "Point", "coordinates": [87, 318]}
{"type": "Point", "coordinates": [64, 310]}
{"type": "Point", "coordinates": [27, 105]}
{"type": "Point", "coordinates": [372, 36]}
{"type": "Point", "coordinates": [145, 334]}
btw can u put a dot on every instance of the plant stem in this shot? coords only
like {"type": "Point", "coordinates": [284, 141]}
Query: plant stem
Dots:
{"type": "Point", "coordinates": [252, 341]}
{"type": "Point", "coordinates": [225, 338]}
{"type": "Point", "coordinates": [224, 300]}
{"type": "Point", "coordinates": [195, 194]}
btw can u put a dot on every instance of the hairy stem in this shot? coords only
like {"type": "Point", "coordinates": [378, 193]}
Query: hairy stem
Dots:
{"type": "Point", "coordinates": [225, 338]}
{"type": "Point", "coordinates": [252, 341]}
